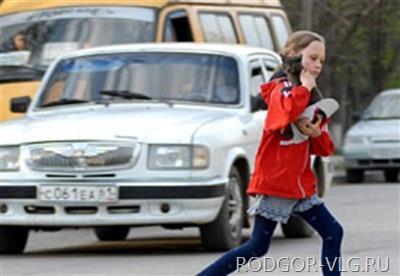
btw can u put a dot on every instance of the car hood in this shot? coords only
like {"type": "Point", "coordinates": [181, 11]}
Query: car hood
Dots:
{"type": "Point", "coordinates": [377, 129]}
{"type": "Point", "coordinates": [150, 124]}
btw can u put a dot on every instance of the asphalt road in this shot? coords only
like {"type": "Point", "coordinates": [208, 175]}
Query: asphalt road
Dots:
{"type": "Point", "coordinates": [369, 213]}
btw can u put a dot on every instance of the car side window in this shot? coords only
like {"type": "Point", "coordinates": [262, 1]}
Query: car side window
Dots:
{"type": "Point", "coordinates": [177, 27]}
{"type": "Point", "coordinates": [281, 29]}
{"type": "Point", "coordinates": [256, 30]}
{"type": "Point", "coordinates": [256, 78]}
{"type": "Point", "coordinates": [269, 65]}
{"type": "Point", "coordinates": [218, 27]}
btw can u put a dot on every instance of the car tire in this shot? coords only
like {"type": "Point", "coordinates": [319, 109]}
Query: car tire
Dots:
{"type": "Point", "coordinates": [114, 233]}
{"type": "Point", "coordinates": [391, 175]}
{"type": "Point", "coordinates": [355, 176]}
{"type": "Point", "coordinates": [13, 239]}
{"type": "Point", "coordinates": [297, 228]}
{"type": "Point", "coordinates": [225, 232]}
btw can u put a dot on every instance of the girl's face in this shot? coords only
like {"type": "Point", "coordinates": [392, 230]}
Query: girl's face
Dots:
{"type": "Point", "coordinates": [313, 57]}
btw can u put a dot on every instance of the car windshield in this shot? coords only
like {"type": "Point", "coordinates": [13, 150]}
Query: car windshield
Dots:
{"type": "Point", "coordinates": [35, 39]}
{"type": "Point", "coordinates": [138, 77]}
{"type": "Point", "coordinates": [384, 107]}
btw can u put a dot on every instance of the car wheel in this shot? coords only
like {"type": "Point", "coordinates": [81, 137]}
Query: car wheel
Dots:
{"type": "Point", "coordinates": [225, 232]}
{"type": "Point", "coordinates": [114, 233]}
{"type": "Point", "coordinates": [392, 175]}
{"type": "Point", "coordinates": [355, 176]}
{"type": "Point", "coordinates": [297, 228]}
{"type": "Point", "coordinates": [13, 239]}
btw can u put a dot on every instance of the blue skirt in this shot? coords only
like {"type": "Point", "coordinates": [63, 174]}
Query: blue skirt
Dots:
{"type": "Point", "coordinates": [279, 209]}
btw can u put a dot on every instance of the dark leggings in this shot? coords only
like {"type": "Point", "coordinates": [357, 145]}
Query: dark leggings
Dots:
{"type": "Point", "coordinates": [318, 217]}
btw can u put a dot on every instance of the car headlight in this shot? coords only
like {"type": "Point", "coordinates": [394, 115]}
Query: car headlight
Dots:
{"type": "Point", "coordinates": [178, 157]}
{"type": "Point", "coordinates": [356, 140]}
{"type": "Point", "coordinates": [9, 158]}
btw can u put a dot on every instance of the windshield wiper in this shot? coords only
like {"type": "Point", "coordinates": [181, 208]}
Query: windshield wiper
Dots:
{"type": "Point", "coordinates": [125, 94]}
{"type": "Point", "coordinates": [65, 102]}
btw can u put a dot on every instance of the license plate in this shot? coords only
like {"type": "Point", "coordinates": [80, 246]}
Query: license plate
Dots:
{"type": "Point", "coordinates": [385, 153]}
{"type": "Point", "coordinates": [78, 193]}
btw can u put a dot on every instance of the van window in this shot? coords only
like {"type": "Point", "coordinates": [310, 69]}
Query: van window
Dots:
{"type": "Point", "coordinates": [281, 29]}
{"type": "Point", "coordinates": [256, 30]}
{"type": "Point", "coordinates": [177, 27]}
{"type": "Point", "coordinates": [218, 27]}
{"type": "Point", "coordinates": [54, 32]}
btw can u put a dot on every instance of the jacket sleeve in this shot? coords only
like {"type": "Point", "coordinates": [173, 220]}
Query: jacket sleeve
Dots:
{"type": "Point", "coordinates": [284, 105]}
{"type": "Point", "coordinates": [323, 144]}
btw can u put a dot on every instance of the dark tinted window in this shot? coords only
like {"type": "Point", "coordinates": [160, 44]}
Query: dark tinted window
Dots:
{"type": "Point", "coordinates": [177, 27]}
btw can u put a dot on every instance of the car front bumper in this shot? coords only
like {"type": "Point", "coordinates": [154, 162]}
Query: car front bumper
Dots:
{"type": "Point", "coordinates": [138, 204]}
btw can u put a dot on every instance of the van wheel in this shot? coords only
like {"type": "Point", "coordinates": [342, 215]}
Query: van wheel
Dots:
{"type": "Point", "coordinates": [392, 175]}
{"type": "Point", "coordinates": [297, 228]}
{"type": "Point", "coordinates": [114, 233]}
{"type": "Point", "coordinates": [13, 239]}
{"type": "Point", "coordinates": [225, 232]}
{"type": "Point", "coordinates": [355, 176]}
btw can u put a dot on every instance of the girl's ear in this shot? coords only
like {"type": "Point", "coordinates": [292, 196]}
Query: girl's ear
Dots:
{"type": "Point", "coordinates": [292, 54]}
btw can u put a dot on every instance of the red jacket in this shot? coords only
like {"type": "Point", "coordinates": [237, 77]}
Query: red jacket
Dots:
{"type": "Point", "coordinates": [284, 170]}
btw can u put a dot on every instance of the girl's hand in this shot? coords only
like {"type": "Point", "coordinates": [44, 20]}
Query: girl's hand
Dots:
{"type": "Point", "coordinates": [303, 124]}
{"type": "Point", "coordinates": [308, 128]}
{"type": "Point", "coordinates": [316, 127]}
{"type": "Point", "coordinates": [307, 79]}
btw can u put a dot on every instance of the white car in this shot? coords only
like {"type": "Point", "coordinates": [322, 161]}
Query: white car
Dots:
{"type": "Point", "coordinates": [151, 134]}
{"type": "Point", "coordinates": [373, 143]}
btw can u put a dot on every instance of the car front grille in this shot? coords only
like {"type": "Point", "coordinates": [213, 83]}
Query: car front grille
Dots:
{"type": "Point", "coordinates": [385, 141]}
{"type": "Point", "coordinates": [82, 156]}
{"type": "Point", "coordinates": [370, 162]}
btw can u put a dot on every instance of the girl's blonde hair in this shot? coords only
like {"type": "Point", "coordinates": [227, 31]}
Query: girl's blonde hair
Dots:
{"type": "Point", "coordinates": [299, 40]}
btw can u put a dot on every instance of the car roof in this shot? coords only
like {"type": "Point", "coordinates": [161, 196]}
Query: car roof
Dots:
{"type": "Point", "coordinates": [209, 48]}
{"type": "Point", "coordinates": [393, 91]}
{"type": "Point", "coordinates": [14, 6]}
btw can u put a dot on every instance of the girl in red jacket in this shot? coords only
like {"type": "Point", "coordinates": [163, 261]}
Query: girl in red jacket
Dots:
{"type": "Point", "coordinates": [283, 180]}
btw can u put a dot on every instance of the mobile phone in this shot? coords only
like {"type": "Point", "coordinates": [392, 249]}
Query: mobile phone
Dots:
{"type": "Point", "coordinates": [319, 112]}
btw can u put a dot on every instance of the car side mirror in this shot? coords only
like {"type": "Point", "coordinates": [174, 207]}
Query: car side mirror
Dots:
{"type": "Point", "coordinates": [20, 104]}
{"type": "Point", "coordinates": [257, 103]}
{"type": "Point", "coordinates": [356, 116]}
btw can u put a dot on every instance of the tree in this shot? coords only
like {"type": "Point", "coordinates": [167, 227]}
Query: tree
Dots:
{"type": "Point", "coordinates": [363, 48]}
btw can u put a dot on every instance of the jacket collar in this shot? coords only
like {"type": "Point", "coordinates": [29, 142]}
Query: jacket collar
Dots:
{"type": "Point", "coordinates": [277, 75]}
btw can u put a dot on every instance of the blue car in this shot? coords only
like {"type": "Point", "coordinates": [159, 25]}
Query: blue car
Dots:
{"type": "Point", "coordinates": [373, 143]}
